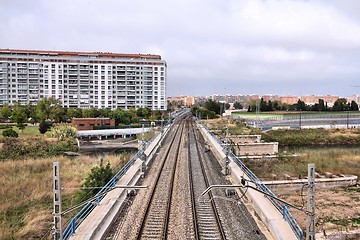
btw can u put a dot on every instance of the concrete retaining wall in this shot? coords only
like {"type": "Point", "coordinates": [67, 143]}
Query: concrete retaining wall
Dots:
{"type": "Point", "coordinates": [257, 149]}
{"type": "Point", "coordinates": [240, 139]}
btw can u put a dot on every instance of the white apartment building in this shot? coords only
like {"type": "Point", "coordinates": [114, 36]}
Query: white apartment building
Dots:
{"type": "Point", "coordinates": [83, 79]}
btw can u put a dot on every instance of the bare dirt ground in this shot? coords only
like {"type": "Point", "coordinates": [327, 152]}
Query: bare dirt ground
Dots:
{"type": "Point", "coordinates": [336, 209]}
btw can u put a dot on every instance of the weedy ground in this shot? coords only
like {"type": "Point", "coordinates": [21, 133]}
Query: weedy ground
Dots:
{"type": "Point", "coordinates": [26, 192]}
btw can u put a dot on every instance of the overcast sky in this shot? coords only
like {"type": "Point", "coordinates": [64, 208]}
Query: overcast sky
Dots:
{"type": "Point", "coordinates": [211, 46]}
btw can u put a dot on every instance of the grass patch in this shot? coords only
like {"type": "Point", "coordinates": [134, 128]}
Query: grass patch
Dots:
{"type": "Point", "coordinates": [26, 194]}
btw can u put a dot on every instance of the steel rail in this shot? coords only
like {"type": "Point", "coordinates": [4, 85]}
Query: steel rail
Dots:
{"type": "Point", "coordinates": [216, 213]}
{"type": "Point", "coordinates": [152, 194]}
{"type": "Point", "coordinates": [193, 203]}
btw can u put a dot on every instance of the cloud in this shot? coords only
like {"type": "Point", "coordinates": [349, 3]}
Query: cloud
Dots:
{"type": "Point", "coordinates": [243, 46]}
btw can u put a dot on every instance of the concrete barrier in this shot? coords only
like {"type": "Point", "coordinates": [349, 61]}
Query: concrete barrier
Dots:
{"type": "Point", "coordinates": [257, 149]}
{"type": "Point", "coordinates": [266, 211]}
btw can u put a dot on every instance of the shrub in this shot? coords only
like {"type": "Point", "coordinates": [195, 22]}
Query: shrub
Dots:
{"type": "Point", "coordinates": [64, 131]}
{"type": "Point", "coordinates": [10, 133]}
{"type": "Point", "coordinates": [14, 148]}
{"type": "Point", "coordinates": [98, 177]}
{"type": "Point", "coordinates": [43, 127]}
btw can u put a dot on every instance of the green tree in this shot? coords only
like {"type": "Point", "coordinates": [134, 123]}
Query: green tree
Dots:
{"type": "Point", "coordinates": [19, 116]}
{"type": "Point", "coordinates": [90, 113]}
{"type": "Point", "coordinates": [340, 105]}
{"type": "Point", "coordinates": [73, 113]}
{"type": "Point", "coordinates": [354, 106]}
{"type": "Point", "coordinates": [57, 113]}
{"type": "Point", "coordinates": [238, 105]}
{"type": "Point", "coordinates": [98, 177]}
{"type": "Point", "coordinates": [322, 105]}
{"type": "Point", "coordinates": [104, 112]}
{"type": "Point", "coordinates": [213, 106]}
{"type": "Point", "coordinates": [43, 127]}
{"type": "Point", "coordinates": [120, 116]}
{"type": "Point", "coordinates": [301, 106]}
{"type": "Point", "coordinates": [5, 111]}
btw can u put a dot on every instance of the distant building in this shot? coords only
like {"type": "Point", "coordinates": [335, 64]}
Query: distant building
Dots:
{"type": "Point", "coordinates": [312, 99]}
{"type": "Point", "coordinates": [90, 123]}
{"type": "Point", "coordinates": [289, 99]}
{"type": "Point", "coordinates": [83, 79]}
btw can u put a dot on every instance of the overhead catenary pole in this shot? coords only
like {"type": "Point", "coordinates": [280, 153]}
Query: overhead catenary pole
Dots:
{"type": "Point", "coordinates": [226, 170]}
{"type": "Point", "coordinates": [310, 218]}
{"type": "Point", "coordinates": [57, 202]}
{"type": "Point", "coordinates": [143, 155]}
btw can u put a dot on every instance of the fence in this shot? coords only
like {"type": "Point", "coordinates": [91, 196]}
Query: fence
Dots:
{"type": "Point", "coordinates": [279, 206]}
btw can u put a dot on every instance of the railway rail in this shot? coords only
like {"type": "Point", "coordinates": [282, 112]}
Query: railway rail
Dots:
{"type": "Point", "coordinates": [207, 222]}
{"type": "Point", "coordinates": [172, 207]}
{"type": "Point", "coordinates": [156, 219]}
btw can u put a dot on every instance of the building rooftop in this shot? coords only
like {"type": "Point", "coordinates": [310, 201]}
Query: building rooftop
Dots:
{"type": "Point", "coordinates": [78, 54]}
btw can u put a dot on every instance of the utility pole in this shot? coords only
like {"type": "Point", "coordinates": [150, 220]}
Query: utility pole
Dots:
{"type": "Point", "coordinates": [162, 131]}
{"type": "Point", "coordinates": [226, 170]}
{"type": "Point", "coordinates": [143, 155]}
{"type": "Point", "coordinates": [310, 217]}
{"type": "Point", "coordinates": [57, 202]}
{"type": "Point", "coordinates": [257, 112]}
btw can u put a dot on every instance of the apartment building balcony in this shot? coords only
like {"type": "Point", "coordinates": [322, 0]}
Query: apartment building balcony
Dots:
{"type": "Point", "coordinates": [22, 65]}
{"type": "Point", "coordinates": [33, 76]}
{"type": "Point", "coordinates": [33, 87]}
{"type": "Point", "coordinates": [22, 96]}
{"type": "Point", "coordinates": [84, 67]}
{"type": "Point", "coordinates": [73, 97]}
{"type": "Point", "coordinates": [33, 92]}
{"type": "Point", "coordinates": [33, 97]}
{"type": "Point", "coordinates": [84, 72]}
{"type": "Point", "coordinates": [71, 82]}
{"type": "Point", "coordinates": [73, 67]}
{"type": "Point", "coordinates": [73, 77]}
{"type": "Point", "coordinates": [120, 73]}
{"type": "Point", "coordinates": [33, 71]}
{"type": "Point", "coordinates": [73, 72]}
{"type": "Point", "coordinates": [71, 103]}
{"type": "Point", "coordinates": [73, 88]}
{"type": "Point", "coordinates": [120, 68]}
{"type": "Point", "coordinates": [22, 81]}
{"type": "Point", "coordinates": [24, 71]}
{"type": "Point", "coordinates": [22, 76]}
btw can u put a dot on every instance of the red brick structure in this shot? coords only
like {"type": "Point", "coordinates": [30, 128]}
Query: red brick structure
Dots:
{"type": "Point", "coordinates": [90, 123]}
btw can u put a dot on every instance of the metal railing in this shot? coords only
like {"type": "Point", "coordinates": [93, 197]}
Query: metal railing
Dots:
{"type": "Point", "coordinates": [89, 207]}
{"type": "Point", "coordinates": [261, 186]}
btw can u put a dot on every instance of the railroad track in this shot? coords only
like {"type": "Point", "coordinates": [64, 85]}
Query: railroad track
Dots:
{"type": "Point", "coordinates": [155, 222]}
{"type": "Point", "coordinates": [206, 219]}
{"type": "Point", "coordinates": [170, 208]}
